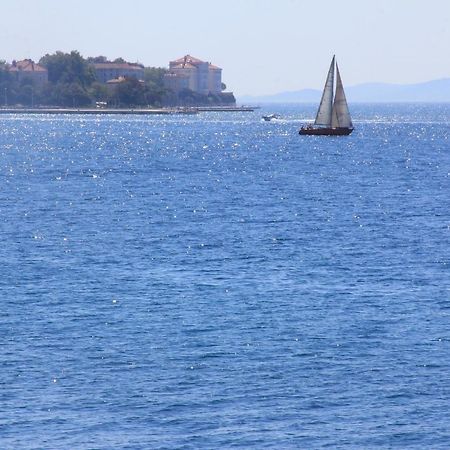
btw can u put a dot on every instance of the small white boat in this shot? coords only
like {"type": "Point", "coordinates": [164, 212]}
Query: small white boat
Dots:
{"type": "Point", "coordinates": [270, 117]}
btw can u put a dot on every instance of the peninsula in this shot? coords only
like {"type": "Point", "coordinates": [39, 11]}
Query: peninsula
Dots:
{"type": "Point", "coordinates": [68, 80]}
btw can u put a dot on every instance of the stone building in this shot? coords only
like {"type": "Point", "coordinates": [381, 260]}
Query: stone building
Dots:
{"type": "Point", "coordinates": [28, 69]}
{"type": "Point", "coordinates": [113, 71]}
{"type": "Point", "coordinates": [194, 74]}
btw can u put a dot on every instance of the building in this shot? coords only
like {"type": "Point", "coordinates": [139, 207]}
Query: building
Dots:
{"type": "Point", "coordinates": [111, 85]}
{"type": "Point", "coordinates": [176, 82]}
{"type": "Point", "coordinates": [112, 71]}
{"type": "Point", "coordinates": [28, 69]}
{"type": "Point", "coordinates": [194, 74]}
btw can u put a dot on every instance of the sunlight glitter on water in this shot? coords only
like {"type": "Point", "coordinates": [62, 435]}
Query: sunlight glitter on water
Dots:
{"type": "Point", "coordinates": [216, 281]}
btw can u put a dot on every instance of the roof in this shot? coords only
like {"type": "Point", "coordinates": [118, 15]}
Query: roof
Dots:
{"type": "Point", "coordinates": [188, 59]}
{"type": "Point", "coordinates": [190, 62]}
{"type": "Point", "coordinates": [27, 65]}
{"type": "Point", "coordinates": [127, 66]}
{"type": "Point", "coordinates": [183, 66]}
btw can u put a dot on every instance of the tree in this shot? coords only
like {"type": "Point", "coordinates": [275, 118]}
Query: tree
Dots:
{"type": "Point", "coordinates": [69, 75]}
{"type": "Point", "coordinates": [70, 94]}
{"type": "Point", "coordinates": [129, 92]}
{"type": "Point", "coordinates": [188, 97]}
{"type": "Point", "coordinates": [68, 68]}
{"type": "Point", "coordinates": [98, 92]}
{"type": "Point", "coordinates": [155, 75]}
{"type": "Point", "coordinates": [97, 59]}
{"type": "Point", "coordinates": [4, 74]}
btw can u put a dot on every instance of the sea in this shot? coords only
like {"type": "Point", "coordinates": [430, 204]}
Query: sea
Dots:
{"type": "Point", "coordinates": [217, 281]}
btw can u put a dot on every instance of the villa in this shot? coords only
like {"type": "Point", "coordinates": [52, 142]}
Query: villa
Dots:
{"type": "Point", "coordinates": [107, 71]}
{"type": "Point", "coordinates": [194, 74]}
{"type": "Point", "coordinates": [28, 69]}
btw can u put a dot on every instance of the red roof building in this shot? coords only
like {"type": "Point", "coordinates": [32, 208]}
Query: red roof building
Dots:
{"type": "Point", "coordinates": [28, 69]}
{"type": "Point", "coordinates": [194, 74]}
{"type": "Point", "coordinates": [112, 71]}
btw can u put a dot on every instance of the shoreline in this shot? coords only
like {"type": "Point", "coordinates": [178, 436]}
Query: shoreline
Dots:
{"type": "Point", "coordinates": [138, 111]}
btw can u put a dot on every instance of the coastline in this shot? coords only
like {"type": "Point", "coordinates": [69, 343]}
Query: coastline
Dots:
{"type": "Point", "coordinates": [138, 111]}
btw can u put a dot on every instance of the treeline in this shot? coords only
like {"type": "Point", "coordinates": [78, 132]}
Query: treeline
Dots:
{"type": "Point", "coordinates": [72, 83]}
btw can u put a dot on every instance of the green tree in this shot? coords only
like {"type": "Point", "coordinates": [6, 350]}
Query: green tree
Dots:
{"type": "Point", "coordinates": [130, 92]}
{"type": "Point", "coordinates": [97, 59]}
{"type": "Point", "coordinates": [70, 76]}
{"type": "Point", "coordinates": [68, 68]}
{"type": "Point", "coordinates": [155, 75]}
{"type": "Point", "coordinates": [71, 95]}
{"type": "Point", "coordinates": [187, 97]}
{"type": "Point", "coordinates": [98, 92]}
{"type": "Point", "coordinates": [47, 96]}
{"type": "Point", "coordinates": [155, 91]}
{"type": "Point", "coordinates": [4, 74]}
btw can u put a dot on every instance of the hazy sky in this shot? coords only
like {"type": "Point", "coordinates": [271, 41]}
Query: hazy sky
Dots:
{"type": "Point", "coordinates": [263, 46]}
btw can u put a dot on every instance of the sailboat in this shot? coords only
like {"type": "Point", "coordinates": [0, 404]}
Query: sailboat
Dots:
{"type": "Point", "coordinates": [333, 117]}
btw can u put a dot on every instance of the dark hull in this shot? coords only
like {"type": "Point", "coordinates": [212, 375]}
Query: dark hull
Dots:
{"type": "Point", "coordinates": [325, 131]}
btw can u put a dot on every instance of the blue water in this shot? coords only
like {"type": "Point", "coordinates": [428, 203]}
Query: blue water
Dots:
{"type": "Point", "coordinates": [218, 281]}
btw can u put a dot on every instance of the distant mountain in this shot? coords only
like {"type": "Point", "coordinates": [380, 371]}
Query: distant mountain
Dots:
{"type": "Point", "coordinates": [430, 91]}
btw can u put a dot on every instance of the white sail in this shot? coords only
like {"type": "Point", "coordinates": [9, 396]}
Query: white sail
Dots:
{"type": "Point", "coordinates": [340, 115]}
{"type": "Point", "coordinates": [323, 117]}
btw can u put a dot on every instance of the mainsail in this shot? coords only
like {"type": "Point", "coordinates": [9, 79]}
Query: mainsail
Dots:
{"type": "Point", "coordinates": [323, 117]}
{"type": "Point", "coordinates": [341, 115]}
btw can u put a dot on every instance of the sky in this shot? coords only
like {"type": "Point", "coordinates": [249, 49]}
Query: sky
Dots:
{"type": "Point", "coordinates": [263, 46]}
